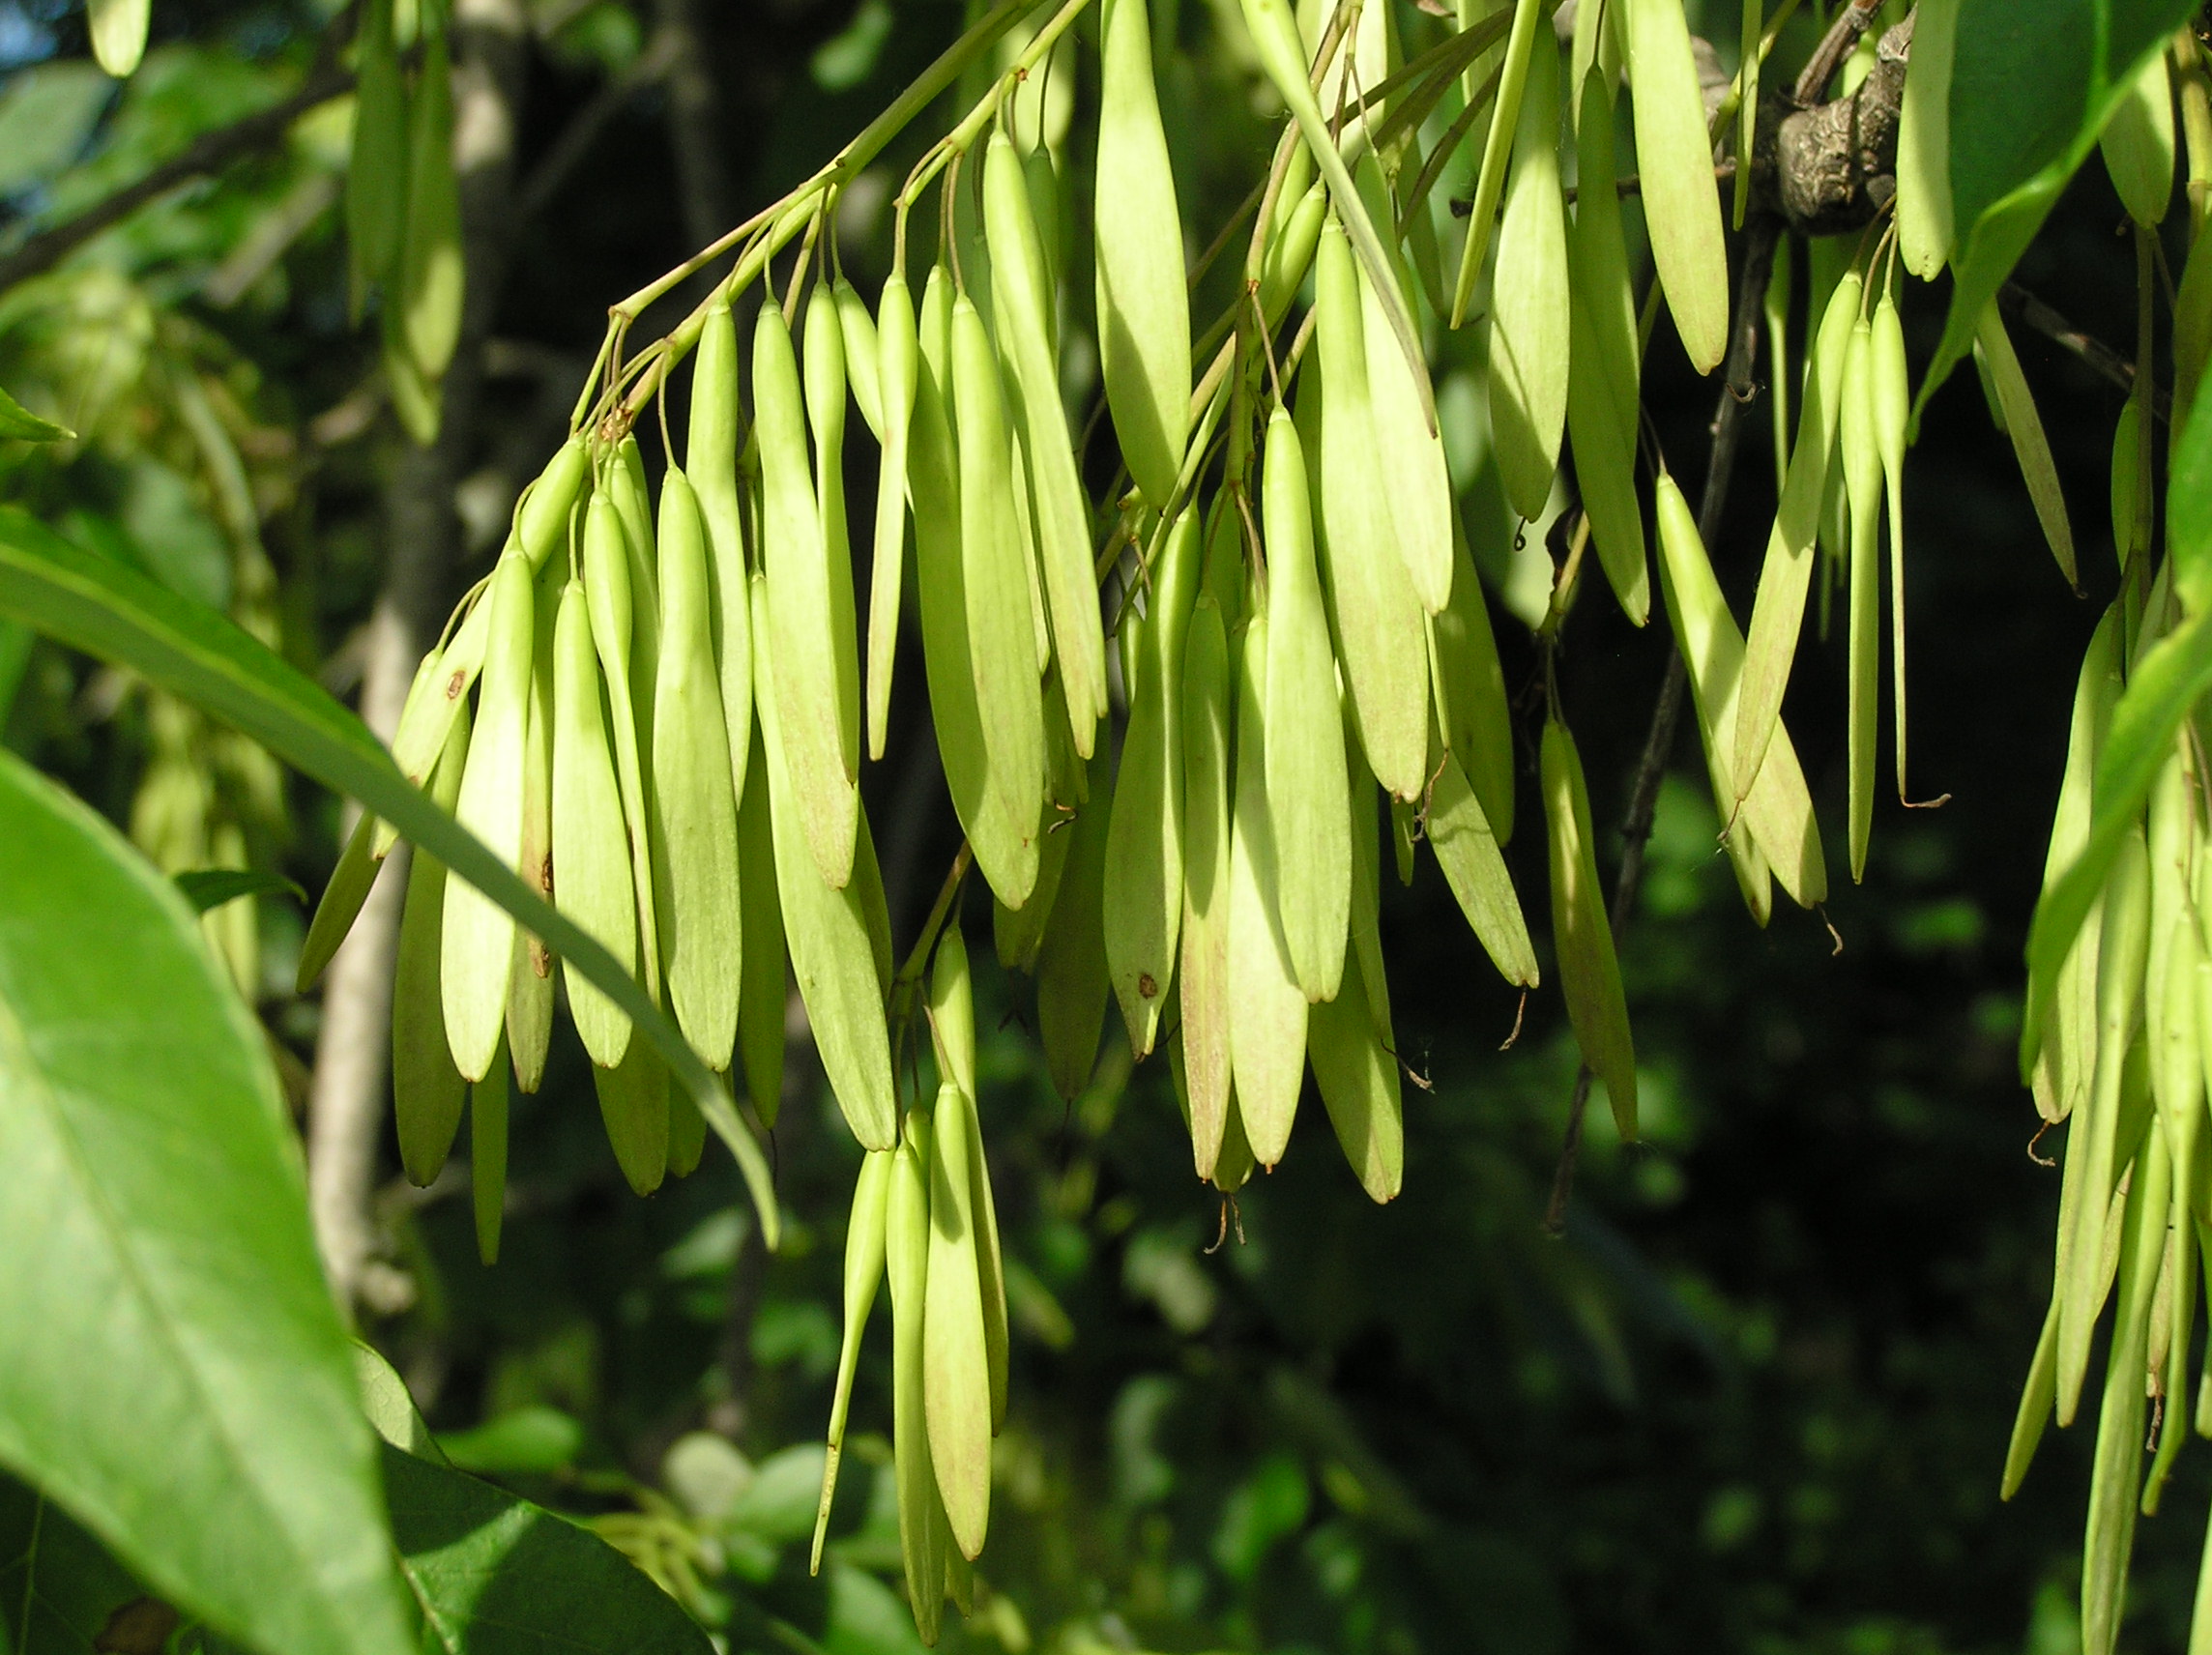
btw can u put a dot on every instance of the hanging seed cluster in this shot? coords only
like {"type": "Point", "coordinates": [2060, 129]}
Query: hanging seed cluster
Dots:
{"type": "Point", "coordinates": [658, 705]}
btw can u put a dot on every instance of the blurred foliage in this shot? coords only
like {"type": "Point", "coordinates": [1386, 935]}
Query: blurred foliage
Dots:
{"type": "Point", "coordinates": [1754, 1397]}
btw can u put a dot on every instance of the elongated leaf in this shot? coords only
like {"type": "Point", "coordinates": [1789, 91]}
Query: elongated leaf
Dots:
{"type": "Point", "coordinates": [171, 1346]}
{"type": "Point", "coordinates": [207, 889]}
{"type": "Point", "coordinates": [114, 612]}
{"type": "Point", "coordinates": [494, 1575]}
{"type": "Point", "coordinates": [61, 1591]}
{"type": "Point", "coordinates": [19, 422]}
{"type": "Point", "coordinates": [2032, 83]}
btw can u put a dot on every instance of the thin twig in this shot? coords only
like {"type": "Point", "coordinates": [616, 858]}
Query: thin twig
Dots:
{"type": "Point", "coordinates": [1852, 22]}
{"type": "Point", "coordinates": [2089, 349]}
{"type": "Point", "coordinates": [576, 138]}
{"type": "Point", "coordinates": [210, 152]}
{"type": "Point", "coordinates": [1667, 713]}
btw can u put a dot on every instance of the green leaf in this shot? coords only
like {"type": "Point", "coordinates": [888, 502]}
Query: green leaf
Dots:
{"type": "Point", "coordinates": [209, 888]}
{"type": "Point", "coordinates": [2032, 82]}
{"type": "Point", "coordinates": [121, 616]}
{"type": "Point", "coordinates": [61, 1591]}
{"type": "Point", "coordinates": [46, 116]}
{"type": "Point", "coordinates": [526, 1441]}
{"type": "Point", "coordinates": [390, 1407]}
{"type": "Point", "coordinates": [19, 422]}
{"type": "Point", "coordinates": [494, 1575]}
{"type": "Point", "coordinates": [2165, 684]}
{"type": "Point", "coordinates": [176, 1376]}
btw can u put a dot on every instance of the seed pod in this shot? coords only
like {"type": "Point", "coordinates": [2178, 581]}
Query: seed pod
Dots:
{"type": "Point", "coordinates": [342, 896]}
{"type": "Point", "coordinates": [2192, 325]}
{"type": "Point", "coordinates": [1267, 1007]}
{"type": "Point", "coordinates": [634, 1107]}
{"type": "Point", "coordinates": [2099, 1131]}
{"type": "Point", "coordinates": [828, 932]}
{"type": "Point", "coordinates": [1892, 393]}
{"type": "Point", "coordinates": [591, 843]}
{"type": "Point", "coordinates": [710, 465]}
{"type": "Point", "coordinates": [761, 981]}
{"type": "Point", "coordinates": [1021, 306]}
{"type": "Point", "coordinates": [437, 697]}
{"type": "Point", "coordinates": [431, 269]}
{"type": "Point", "coordinates": [1675, 159]}
{"type": "Point", "coordinates": [2169, 838]}
{"type": "Point", "coordinates": [1204, 977]}
{"type": "Point", "coordinates": [2030, 445]}
{"type": "Point", "coordinates": [487, 1159]}
{"type": "Point", "coordinates": [1144, 890]}
{"type": "Point", "coordinates": [1290, 254]}
{"type": "Point", "coordinates": [1862, 482]}
{"type": "Point", "coordinates": [1528, 17]}
{"type": "Point", "coordinates": [801, 632]}
{"type": "Point", "coordinates": [1924, 141]}
{"type": "Point", "coordinates": [477, 942]}
{"type": "Point", "coordinates": [541, 518]}
{"type": "Point", "coordinates": [1358, 1081]}
{"type": "Point", "coordinates": [826, 385]}
{"type": "Point", "coordinates": [1459, 830]}
{"type": "Point", "coordinates": [530, 986]}
{"type": "Point", "coordinates": [990, 1267]}
{"type": "Point", "coordinates": [376, 176]}
{"type": "Point", "coordinates": [863, 1273]}
{"type": "Point", "coordinates": [1143, 304]}
{"type": "Point", "coordinates": [694, 816]}
{"type": "Point", "coordinates": [860, 349]}
{"type": "Point", "coordinates": [1774, 827]}
{"type": "Point", "coordinates": [608, 604]}
{"type": "Point", "coordinates": [1370, 594]}
{"type": "Point", "coordinates": [1590, 974]}
{"type": "Point", "coordinates": [1778, 613]}
{"type": "Point", "coordinates": [1415, 479]}
{"type": "Point", "coordinates": [2138, 142]}
{"type": "Point", "coordinates": [956, 1385]}
{"type": "Point", "coordinates": [1529, 304]}
{"type": "Point", "coordinates": [1603, 368]}
{"type": "Point", "coordinates": [1006, 850]}
{"type": "Point", "coordinates": [1072, 959]}
{"type": "Point", "coordinates": [897, 349]}
{"type": "Point", "coordinates": [952, 1010]}
{"type": "Point", "coordinates": [1002, 651]}
{"type": "Point", "coordinates": [1308, 804]}
{"type": "Point", "coordinates": [1469, 688]}
{"type": "Point", "coordinates": [923, 1537]}
{"type": "Point", "coordinates": [426, 1090]}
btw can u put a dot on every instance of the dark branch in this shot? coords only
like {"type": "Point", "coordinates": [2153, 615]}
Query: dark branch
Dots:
{"type": "Point", "coordinates": [1736, 397]}
{"type": "Point", "coordinates": [209, 153]}
{"type": "Point", "coordinates": [2091, 350]}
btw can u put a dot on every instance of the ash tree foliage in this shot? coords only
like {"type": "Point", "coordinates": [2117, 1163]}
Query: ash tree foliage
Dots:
{"type": "Point", "coordinates": [1141, 553]}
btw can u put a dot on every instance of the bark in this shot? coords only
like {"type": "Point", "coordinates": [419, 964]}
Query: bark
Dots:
{"type": "Point", "coordinates": [346, 1109]}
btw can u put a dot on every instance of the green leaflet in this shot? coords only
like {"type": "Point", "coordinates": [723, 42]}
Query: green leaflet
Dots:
{"type": "Point", "coordinates": [828, 933]}
{"type": "Point", "coordinates": [590, 842]}
{"type": "Point", "coordinates": [1529, 302]}
{"type": "Point", "coordinates": [1589, 974]}
{"type": "Point", "coordinates": [1469, 687]}
{"type": "Point", "coordinates": [1674, 160]}
{"type": "Point", "coordinates": [1022, 303]}
{"type": "Point", "coordinates": [1778, 612]}
{"type": "Point", "coordinates": [1924, 231]}
{"type": "Point", "coordinates": [1144, 306]}
{"type": "Point", "coordinates": [694, 816]}
{"type": "Point", "coordinates": [711, 464]}
{"type": "Point", "coordinates": [530, 980]}
{"type": "Point", "coordinates": [1144, 872]}
{"type": "Point", "coordinates": [17, 424]}
{"type": "Point", "coordinates": [1777, 829]}
{"type": "Point", "coordinates": [2030, 445]}
{"type": "Point", "coordinates": [1467, 849]}
{"type": "Point", "coordinates": [1603, 368]}
{"type": "Point", "coordinates": [1267, 1009]}
{"type": "Point", "coordinates": [994, 560]}
{"type": "Point", "coordinates": [1371, 597]}
{"type": "Point", "coordinates": [898, 349]}
{"type": "Point", "coordinates": [1203, 980]}
{"type": "Point", "coordinates": [432, 271]}
{"type": "Point", "coordinates": [798, 628]}
{"type": "Point", "coordinates": [864, 1274]}
{"type": "Point", "coordinates": [478, 940]}
{"type": "Point", "coordinates": [1071, 968]}
{"type": "Point", "coordinates": [1307, 798]}
{"type": "Point", "coordinates": [956, 1385]}
{"type": "Point", "coordinates": [426, 1090]}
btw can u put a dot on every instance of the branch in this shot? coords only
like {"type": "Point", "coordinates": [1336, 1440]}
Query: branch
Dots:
{"type": "Point", "coordinates": [583, 128]}
{"type": "Point", "coordinates": [1737, 394]}
{"type": "Point", "coordinates": [2100, 357]}
{"type": "Point", "coordinates": [209, 153]}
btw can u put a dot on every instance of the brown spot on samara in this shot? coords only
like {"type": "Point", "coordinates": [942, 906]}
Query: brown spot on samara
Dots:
{"type": "Point", "coordinates": [1146, 986]}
